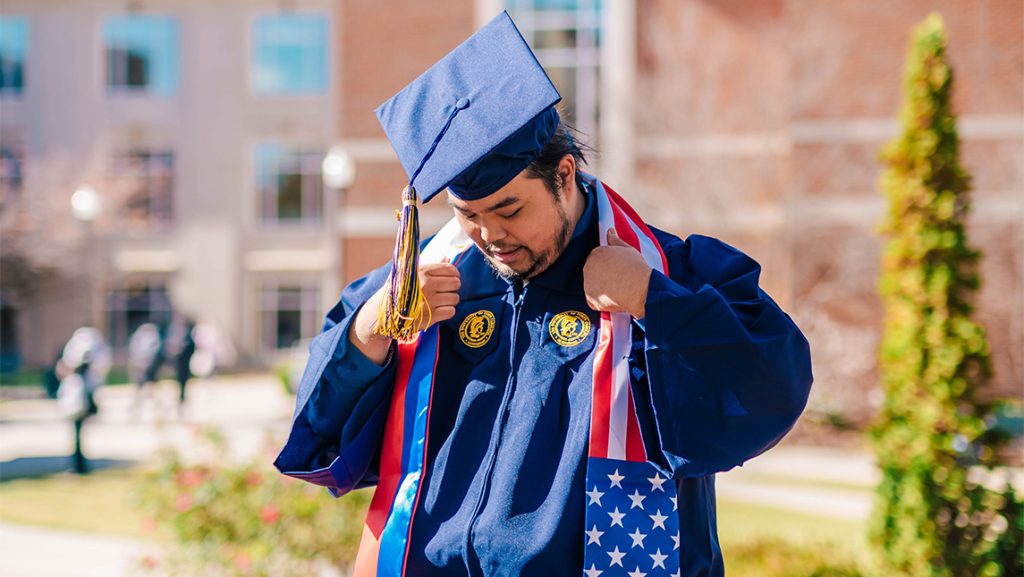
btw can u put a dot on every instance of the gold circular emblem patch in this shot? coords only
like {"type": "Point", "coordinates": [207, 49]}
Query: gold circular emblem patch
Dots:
{"type": "Point", "coordinates": [569, 328]}
{"type": "Point", "coordinates": [476, 329]}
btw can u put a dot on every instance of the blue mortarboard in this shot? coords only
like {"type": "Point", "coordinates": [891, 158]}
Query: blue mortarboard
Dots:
{"type": "Point", "coordinates": [471, 123]}
{"type": "Point", "coordinates": [476, 118]}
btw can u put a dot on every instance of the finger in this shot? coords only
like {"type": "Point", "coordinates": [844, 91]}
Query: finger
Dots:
{"type": "Point", "coordinates": [442, 284]}
{"type": "Point", "coordinates": [443, 299]}
{"type": "Point", "coordinates": [443, 313]}
{"type": "Point", "coordinates": [613, 238]}
{"type": "Point", "coordinates": [439, 269]}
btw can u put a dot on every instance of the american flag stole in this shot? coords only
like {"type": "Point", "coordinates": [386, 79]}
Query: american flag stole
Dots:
{"type": "Point", "coordinates": [632, 522]}
{"type": "Point", "coordinates": [631, 526]}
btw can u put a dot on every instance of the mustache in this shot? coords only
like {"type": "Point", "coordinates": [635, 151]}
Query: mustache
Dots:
{"type": "Point", "coordinates": [500, 248]}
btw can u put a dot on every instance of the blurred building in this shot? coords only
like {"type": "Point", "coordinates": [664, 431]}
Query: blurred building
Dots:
{"type": "Point", "coordinates": [757, 121]}
{"type": "Point", "coordinates": [199, 128]}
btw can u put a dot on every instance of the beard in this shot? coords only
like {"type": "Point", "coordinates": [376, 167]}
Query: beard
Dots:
{"type": "Point", "coordinates": [536, 262]}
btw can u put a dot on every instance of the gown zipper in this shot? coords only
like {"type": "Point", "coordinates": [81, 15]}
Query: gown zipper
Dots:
{"type": "Point", "coordinates": [518, 294]}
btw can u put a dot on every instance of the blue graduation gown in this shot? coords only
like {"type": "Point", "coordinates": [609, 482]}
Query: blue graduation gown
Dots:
{"type": "Point", "coordinates": [725, 375]}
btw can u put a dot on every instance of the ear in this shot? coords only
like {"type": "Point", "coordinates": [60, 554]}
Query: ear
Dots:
{"type": "Point", "coordinates": [567, 170]}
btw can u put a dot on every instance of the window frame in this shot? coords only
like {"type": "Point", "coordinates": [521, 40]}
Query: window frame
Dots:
{"type": "Point", "coordinates": [126, 285]}
{"type": "Point", "coordinates": [328, 56]}
{"type": "Point", "coordinates": [123, 91]}
{"type": "Point", "coordinates": [268, 294]}
{"type": "Point", "coordinates": [160, 220]}
{"type": "Point", "coordinates": [18, 93]}
{"type": "Point", "coordinates": [315, 154]}
{"type": "Point", "coordinates": [18, 146]}
{"type": "Point", "coordinates": [585, 58]}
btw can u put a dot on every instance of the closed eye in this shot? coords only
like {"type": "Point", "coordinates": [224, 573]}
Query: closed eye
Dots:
{"type": "Point", "coordinates": [512, 214]}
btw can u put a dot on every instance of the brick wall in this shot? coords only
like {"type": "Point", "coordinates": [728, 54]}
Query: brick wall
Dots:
{"type": "Point", "coordinates": [382, 51]}
{"type": "Point", "coordinates": [761, 121]}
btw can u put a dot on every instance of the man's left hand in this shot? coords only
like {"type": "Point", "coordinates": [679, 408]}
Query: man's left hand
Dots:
{"type": "Point", "coordinates": [616, 277]}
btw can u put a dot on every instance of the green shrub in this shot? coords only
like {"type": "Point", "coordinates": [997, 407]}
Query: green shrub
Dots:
{"type": "Point", "coordinates": [219, 518]}
{"type": "Point", "coordinates": [933, 437]}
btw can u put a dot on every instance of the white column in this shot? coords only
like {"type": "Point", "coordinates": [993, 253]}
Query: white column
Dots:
{"type": "Point", "coordinates": [618, 81]}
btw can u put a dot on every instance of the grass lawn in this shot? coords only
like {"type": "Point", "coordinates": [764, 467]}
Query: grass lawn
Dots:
{"type": "Point", "coordinates": [759, 540]}
{"type": "Point", "coordinates": [100, 502]}
{"type": "Point", "coordinates": [743, 522]}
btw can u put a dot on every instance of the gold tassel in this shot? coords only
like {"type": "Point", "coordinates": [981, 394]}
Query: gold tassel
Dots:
{"type": "Point", "coordinates": [398, 315]}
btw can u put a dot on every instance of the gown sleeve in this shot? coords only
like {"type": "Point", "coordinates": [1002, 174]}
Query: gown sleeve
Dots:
{"type": "Point", "coordinates": [728, 372]}
{"type": "Point", "coordinates": [342, 403]}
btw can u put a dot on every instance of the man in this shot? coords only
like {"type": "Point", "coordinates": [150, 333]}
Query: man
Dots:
{"type": "Point", "coordinates": [562, 375]}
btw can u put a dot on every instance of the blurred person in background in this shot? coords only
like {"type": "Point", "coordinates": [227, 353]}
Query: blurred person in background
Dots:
{"type": "Point", "coordinates": [143, 350]}
{"type": "Point", "coordinates": [212, 350]}
{"type": "Point", "coordinates": [51, 381]}
{"type": "Point", "coordinates": [82, 368]}
{"type": "Point", "coordinates": [178, 348]}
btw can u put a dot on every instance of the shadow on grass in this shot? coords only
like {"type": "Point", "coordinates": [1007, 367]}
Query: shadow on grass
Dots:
{"type": "Point", "coordinates": [40, 467]}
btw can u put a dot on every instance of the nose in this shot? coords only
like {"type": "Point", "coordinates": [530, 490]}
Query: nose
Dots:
{"type": "Point", "coordinates": [491, 233]}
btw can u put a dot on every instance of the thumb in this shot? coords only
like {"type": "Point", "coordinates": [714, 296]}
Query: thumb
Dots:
{"type": "Point", "coordinates": [613, 238]}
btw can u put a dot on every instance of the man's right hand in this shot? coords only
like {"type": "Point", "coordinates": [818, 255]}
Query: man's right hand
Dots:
{"type": "Point", "coordinates": [439, 283]}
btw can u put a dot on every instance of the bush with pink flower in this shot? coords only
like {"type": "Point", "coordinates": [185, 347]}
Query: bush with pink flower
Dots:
{"type": "Point", "coordinates": [231, 519]}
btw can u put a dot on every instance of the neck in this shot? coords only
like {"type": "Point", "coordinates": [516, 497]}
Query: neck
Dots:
{"type": "Point", "coordinates": [577, 203]}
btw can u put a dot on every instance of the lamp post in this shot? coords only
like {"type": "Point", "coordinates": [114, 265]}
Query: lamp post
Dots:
{"type": "Point", "coordinates": [338, 171]}
{"type": "Point", "coordinates": [85, 207]}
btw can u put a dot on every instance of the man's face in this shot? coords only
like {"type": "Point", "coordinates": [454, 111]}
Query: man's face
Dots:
{"type": "Point", "coordinates": [521, 229]}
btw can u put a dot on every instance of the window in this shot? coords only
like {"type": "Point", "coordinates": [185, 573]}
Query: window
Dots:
{"type": "Point", "coordinates": [288, 314]}
{"type": "Point", "coordinates": [566, 36]}
{"type": "Point", "coordinates": [13, 45]}
{"type": "Point", "coordinates": [141, 54]}
{"type": "Point", "coordinates": [149, 178]}
{"type": "Point", "coordinates": [11, 163]}
{"type": "Point", "coordinates": [134, 305]}
{"type": "Point", "coordinates": [289, 183]}
{"type": "Point", "coordinates": [289, 54]}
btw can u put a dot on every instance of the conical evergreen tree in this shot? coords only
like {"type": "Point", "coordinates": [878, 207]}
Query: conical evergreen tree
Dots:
{"type": "Point", "coordinates": [933, 518]}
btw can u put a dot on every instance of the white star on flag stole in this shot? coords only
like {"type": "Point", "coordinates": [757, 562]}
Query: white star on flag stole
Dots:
{"type": "Point", "coordinates": [632, 519]}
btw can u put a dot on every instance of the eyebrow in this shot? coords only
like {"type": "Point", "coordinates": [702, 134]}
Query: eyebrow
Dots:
{"type": "Point", "coordinates": [497, 206]}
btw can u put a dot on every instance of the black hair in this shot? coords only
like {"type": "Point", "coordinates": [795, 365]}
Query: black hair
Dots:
{"type": "Point", "coordinates": [564, 141]}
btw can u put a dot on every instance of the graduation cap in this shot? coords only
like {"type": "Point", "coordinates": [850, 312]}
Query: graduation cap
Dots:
{"type": "Point", "coordinates": [470, 123]}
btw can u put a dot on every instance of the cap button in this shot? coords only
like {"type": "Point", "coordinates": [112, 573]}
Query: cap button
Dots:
{"type": "Point", "coordinates": [462, 103]}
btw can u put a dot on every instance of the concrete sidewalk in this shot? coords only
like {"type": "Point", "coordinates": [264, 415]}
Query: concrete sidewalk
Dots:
{"type": "Point", "coordinates": [36, 552]}
{"type": "Point", "coordinates": [252, 411]}
{"type": "Point", "coordinates": [796, 478]}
